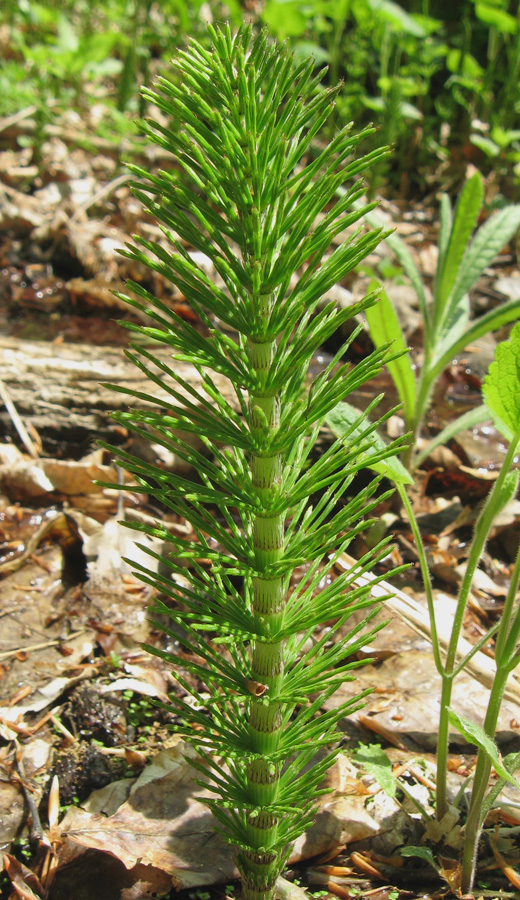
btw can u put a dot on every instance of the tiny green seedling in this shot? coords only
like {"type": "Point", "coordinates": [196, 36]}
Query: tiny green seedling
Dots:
{"type": "Point", "coordinates": [375, 761]}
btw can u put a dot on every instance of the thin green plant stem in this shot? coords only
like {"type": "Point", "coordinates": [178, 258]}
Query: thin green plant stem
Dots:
{"type": "Point", "coordinates": [415, 802]}
{"type": "Point", "coordinates": [425, 572]}
{"type": "Point", "coordinates": [448, 669]}
{"type": "Point", "coordinates": [447, 680]}
{"type": "Point", "coordinates": [422, 402]}
{"type": "Point", "coordinates": [480, 783]}
{"type": "Point", "coordinates": [506, 659]}
{"type": "Point", "coordinates": [482, 641]}
{"type": "Point", "coordinates": [441, 807]}
{"type": "Point", "coordinates": [481, 533]}
{"type": "Point", "coordinates": [512, 765]}
{"type": "Point", "coordinates": [482, 529]}
{"type": "Point", "coordinates": [509, 625]}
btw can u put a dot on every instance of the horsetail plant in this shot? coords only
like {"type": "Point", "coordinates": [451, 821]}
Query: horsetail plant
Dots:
{"type": "Point", "coordinates": [246, 192]}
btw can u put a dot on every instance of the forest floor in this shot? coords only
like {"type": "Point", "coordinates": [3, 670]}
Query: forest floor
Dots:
{"type": "Point", "coordinates": [76, 689]}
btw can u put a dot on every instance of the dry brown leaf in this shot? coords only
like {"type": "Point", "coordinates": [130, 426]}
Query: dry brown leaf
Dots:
{"type": "Point", "coordinates": [163, 825]}
{"type": "Point", "coordinates": [25, 883]}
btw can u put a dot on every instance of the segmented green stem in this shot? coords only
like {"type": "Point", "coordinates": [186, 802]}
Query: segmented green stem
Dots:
{"type": "Point", "coordinates": [260, 866]}
{"type": "Point", "coordinates": [244, 118]}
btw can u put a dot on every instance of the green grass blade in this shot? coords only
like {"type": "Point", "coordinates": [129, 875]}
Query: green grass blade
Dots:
{"type": "Point", "coordinates": [470, 419]}
{"type": "Point", "coordinates": [385, 329]}
{"type": "Point", "coordinates": [488, 241]}
{"type": "Point", "coordinates": [346, 419]}
{"type": "Point", "coordinates": [491, 321]}
{"type": "Point", "coordinates": [454, 328]}
{"type": "Point", "coordinates": [446, 225]}
{"type": "Point", "coordinates": [476, 735]}
{"type": "Point", "coordinates": [465, 219]}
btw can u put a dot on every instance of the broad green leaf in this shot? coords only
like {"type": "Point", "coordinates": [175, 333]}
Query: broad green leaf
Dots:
{"type": "Point", "coordinates": [504, 136]}
{"type": "Point", "coordinates": [498, 18]}
{"type": "Point", "coordinates": [497, 4]}
{"type": "Point", "coordinates": [341, 420]}
{"type": "Point", "coordinates": [379, 104]}
{"type": "Point", "coordinates": [476, 735]}
{"type": "Point", "coordinates": [421, 853]}
{"type": "Point", "coordinates": [398, 246]}
{"type": "Point", "coordinates": [508, 491]}
{"type": "Point", "coordinates": [397, 17]}
{"type": "Point", "coordinates": [431, 26]}
{"type": "Point", "coordinates": [446, 224]}
{"type": "Point", "coordinates": [453, 329]}
{"type": "Point", "coordinates": [285, 19]}
{"type": "Point", "coordinates": [491, 321]}
{"type": "Point", "coordinates": [501, 386]}
{"type": "Point", "coordinates": [67, 36]}
{"type": "Point", "coordinates": [385, 329]}
{"type": "Point", "coordinates": [488, 241]}
{"type": "Point", "coordinates": [304, 49]}
{"type": "Point", "coordinates": [485, 144]}
{"type": "Point", "coordinates": [375, 761]}
{"type": "Point", "coordinates": [464, 64]}
{"type": "Point", "coordinates": [409, 111]}
{"type": "Point", "coordinates": [469, 420]}
{"type": "Point", "coordinates": [405, 258]}
{"type": "Point", "coordinates": [464, 221]}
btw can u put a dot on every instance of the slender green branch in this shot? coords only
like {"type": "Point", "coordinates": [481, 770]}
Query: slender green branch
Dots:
{"type": "Point", "coordinates": [480, 783]}
{"type": "Point", "coordinates": [425, 572]}
{"type": "Point", "coordinates": [506, 659]}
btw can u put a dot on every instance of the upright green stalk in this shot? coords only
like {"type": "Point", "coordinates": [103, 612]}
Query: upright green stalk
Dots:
{"type": "Point", "coordinates": [260, 862]}
{"type": "Point", "coordinates": [507, 656]}
{"type": "Point", "coordinates": [240, 119]}
{"type": "Point", "coordinates": [449, 668]}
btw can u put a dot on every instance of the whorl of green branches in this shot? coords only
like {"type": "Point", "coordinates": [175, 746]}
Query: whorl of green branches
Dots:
{"type": "Point", "coordinates": [248, 189]}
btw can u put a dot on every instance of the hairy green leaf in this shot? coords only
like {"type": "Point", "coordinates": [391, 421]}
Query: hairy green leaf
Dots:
{"type": "Point", "coordinates": [446, 225]}
{"type": "Point", "coordinates": [454, 328]}
{"type": "Point", "coordinates": [476, 735]}
{"type": "Point", "coordinates": [490, 321]}
{"type": "Point", "coordinates": [464, 221]}
{"type": "Point", "coordinates": [348, 422]}
{"type": "Point", "coordinates": [421, 853]}
{"type": "Point", "coordinates": [501, 386]}
{"type": "Point", "coordinates": [374, 760]}
{"type": "Point", "coordinates": [405, 258]}
{"type": "Point", "coordinates": [468, 420]}
{"type": "Point", "coordinates": [488, 241]}
{"type": "Point", "coordinates": [396, 15]}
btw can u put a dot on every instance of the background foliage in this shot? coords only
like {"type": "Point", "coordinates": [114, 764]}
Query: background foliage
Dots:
{"type": "Point", "coordinates": [440, 80]}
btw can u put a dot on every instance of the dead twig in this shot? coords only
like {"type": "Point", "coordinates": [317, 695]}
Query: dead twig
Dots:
{"type": "Point", "coordinates": [17, 422]}
{"type": "Point", "coordinates": [26, 730]}
{"type": "Point", "coordinates": [103, 191]}
{"type": "Point", "coordinates": [512, 876]}
{"type": "Point", "coordinates": [36, 830]}
{"type": "Point", "coordinates": [8, 121]}
{"type": "Point", "coordinates": [7, 653]}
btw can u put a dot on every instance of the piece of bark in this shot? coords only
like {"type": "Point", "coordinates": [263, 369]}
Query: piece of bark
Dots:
{"type": "Point", "coordinates": [57, 388]}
